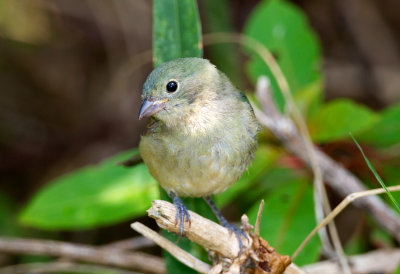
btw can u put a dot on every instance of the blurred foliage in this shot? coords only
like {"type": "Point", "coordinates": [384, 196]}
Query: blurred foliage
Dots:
{"type": "Point", "coordinates": [8, 224]}
{"type": "Point", "coordinates": [377, 177]}
{"type": "Point", "coordinates": [93, 196]}
{"type": "Point", "coordinates": [397, 270]}
{"type": "Point", "coordinates": [334, 120]}
{"type": "Point", "coordinates": [224, 56]}
{"type": "Point", "coordinates": [386, 131]}
{"type": "Point", "coordinates": [284, 30]}
{"type": "Point", "coordinates": [106, 194]}
{"type": "Point", "coordinates": [18, 22]}
{"type": "Point", "coordinates": [288, 217]}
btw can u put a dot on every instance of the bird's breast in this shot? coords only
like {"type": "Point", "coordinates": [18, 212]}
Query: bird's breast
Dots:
{"type": "Point", "coordinates": [204, 152]}
{"type": "Point", "coordinates": [193, 166]}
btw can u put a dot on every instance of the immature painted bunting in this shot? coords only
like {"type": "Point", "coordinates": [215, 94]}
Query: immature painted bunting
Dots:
{"type": "Point", "coordinates": [202, 133]}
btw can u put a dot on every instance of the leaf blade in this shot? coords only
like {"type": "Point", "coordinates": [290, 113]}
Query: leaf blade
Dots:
{"type": "Point", "coordinates": [176, 33]}
{"type": "Point", "coordinates": [336, 119]}
{"type": "Point", "coordinates": [283, 29]}
{"type": "Point", "coordinates": [378, 178]}
{"type": "Point", "coordinates": [92, 196]}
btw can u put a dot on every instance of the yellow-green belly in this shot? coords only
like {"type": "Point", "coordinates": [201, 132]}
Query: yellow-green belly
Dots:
{"type": "Point", "coordinates": [195, 168]}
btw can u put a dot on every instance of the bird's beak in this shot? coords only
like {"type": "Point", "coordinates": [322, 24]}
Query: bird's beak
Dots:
{"type": "Point", "coordinates": [150, 108]}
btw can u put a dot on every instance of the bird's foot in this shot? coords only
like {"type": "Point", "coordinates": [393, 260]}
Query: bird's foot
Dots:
{"type": "Point", "coordinates": [232, 228]}
{"type": "Point", "coordinates": [181, 213]}
{"type": "Point", "coordinates": [238, 232]}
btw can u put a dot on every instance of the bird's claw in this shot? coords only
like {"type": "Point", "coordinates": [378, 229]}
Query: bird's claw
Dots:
{"type": "Point", "coordinates": [238, 232]}
{"type": "Point", "coordinates": [181, 213]}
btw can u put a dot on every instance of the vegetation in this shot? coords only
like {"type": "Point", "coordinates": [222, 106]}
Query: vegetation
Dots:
{"type": "Point", "coordinates": [107, 194]}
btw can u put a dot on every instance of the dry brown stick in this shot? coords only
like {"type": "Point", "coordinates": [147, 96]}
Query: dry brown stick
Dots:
{"type": "Point", "coordinates": [206, 233]}
{"type": "Point", "coordinates": [339, 208]}
{"type": "Point", "coordinates": [135, 260]}
{"type": "Point", "coordinates": [201, 230]}
{"type": "Point", "coordinates": [377, 261]}
{"type": "Point", "coordinates": [335, 175]}
{"type": "Point", "coordinates": [180, 254]}
{"type": "Point", "coordinates": [129, 244]}
{"type": "Point", "coordinates": [60, 267]}
{"type": "Point", "coordinates": [122, 245]}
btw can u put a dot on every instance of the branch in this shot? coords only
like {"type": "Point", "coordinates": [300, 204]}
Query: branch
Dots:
{"type": "Point", "coordinates": [109, 256]}
{"type": "Point", "coordinates": [206, 233]}
{"type": "Point", "coordinates": [60, 267]}
{"type": "Point", "coordinates": [183, 256]}
{"type": "Point", "coordinates": [129, 244]}
{"type": "Point", "coordinates": [217, 239]}
{"type": "Point", "coordinates": [339, 208]}
{"type": "Point", "coordinates": [378, 261]}
{"type": "Point", "coordinates": [336, 176]}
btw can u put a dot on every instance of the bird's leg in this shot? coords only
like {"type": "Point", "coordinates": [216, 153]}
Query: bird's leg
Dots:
{"type": "Point", "coordinates": [181, 212]}
{"type": "Point", "coordinates": [238, 232]}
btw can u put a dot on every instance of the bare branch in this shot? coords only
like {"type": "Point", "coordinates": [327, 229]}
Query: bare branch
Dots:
{"type": "Point", "coordinates": [136, 260]}
{"type": "Point", "coordinates": [378, 261]}
{"type": "Point", "coordinates": [60, 267]}
{"type": "Point", "coordinates": [183, 256]}
{"type": "Point", "coordinates": [339, 208]}
{"type": "Point", "coordinates": [130, 244]}
{"type": "Point", "coordinates": [218, 240]}
{"type": "Point", "coordinates": [208, 234]}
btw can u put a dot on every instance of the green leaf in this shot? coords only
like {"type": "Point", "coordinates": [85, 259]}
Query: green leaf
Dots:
{"type": "Point", "coordinates": [8, 224]}
{"type": "Point", "coordinates": [217, 18]}
{"type": "Point", "coordinates": [284, 30]}
{"type": "Point", "coordinates": [288, 217]}
{"type": "Point", "coordinates": [336, 119]}
{"type": "Point", "coordinates": [391, 173]}
{"type": "Point", "coordinates": [380, 237]}
{"type": "Point", "coordinates": [92, 196]}
{"type": "Point", "coordinates": [386, 132]}
{"type": "Point", "coordinates": [176, 30]}
{"type": "Point", "coordinates": [356, 244]}
{"type": "Point", "coordinates": [398, 269]}
{"type": "Point", "coordinates": [378, 178]}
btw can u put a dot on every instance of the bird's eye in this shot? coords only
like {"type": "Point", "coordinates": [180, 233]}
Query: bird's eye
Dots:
{"type": "Point", "coordinates": [172, 86]}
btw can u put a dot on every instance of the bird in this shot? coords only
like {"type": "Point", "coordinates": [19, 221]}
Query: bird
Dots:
{"type": "Point", "coordinates": [202, 133]}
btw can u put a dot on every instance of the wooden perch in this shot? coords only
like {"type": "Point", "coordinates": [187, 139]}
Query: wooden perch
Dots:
{"type": "Point", "coordinates": [256, 253]}
{"type": "Point", "coordinates": [201, 230]}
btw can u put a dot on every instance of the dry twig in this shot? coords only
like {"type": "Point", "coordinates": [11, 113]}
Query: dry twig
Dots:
{"type": "Point", "coordinates": [378, 261]}
{"type": "Point", "coordinates": [60, 267]}
{"type": "Point", "coordinates": [183, 256]}
{"type": "Point", "coordinates": [130, 244]}
{"type": "Point", "coordinates": [339, 208]}
{"type": "Point", "coordinates": [136, 260]}
{"type": "Point", "coordinates": [215, 238]}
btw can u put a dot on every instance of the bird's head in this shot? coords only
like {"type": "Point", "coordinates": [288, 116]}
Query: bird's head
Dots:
{"type": "Point", "coordinates": [175, 87]}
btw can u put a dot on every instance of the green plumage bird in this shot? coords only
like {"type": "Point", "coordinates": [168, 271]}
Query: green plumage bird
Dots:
{"type": "Point", "coordinates": [202, 133]}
